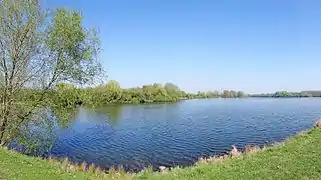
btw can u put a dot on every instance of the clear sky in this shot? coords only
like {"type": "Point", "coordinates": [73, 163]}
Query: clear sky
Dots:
{"type": "Point", "coordinates": [253, 45]}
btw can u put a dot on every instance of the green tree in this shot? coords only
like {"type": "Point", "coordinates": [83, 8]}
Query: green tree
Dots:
{"type": "Point", "coordinates": [149, 92]}
{"type": "Point", "coordinates": [114, 91]}
{"type": "Point", "coordinates": [66, 95]}
{"type": "Point", "coordinates": [171, 88]}
{"type": "Point", "coordinates": [226, 94]}
{"type": "Point", "coordinates": [240, 94]}
{"type": "Point", "coordinates": [173, 91]}
{"type": "Point", "coordinates": [37, 51]}
{"type": "Point", "coordinates": [233, 94]}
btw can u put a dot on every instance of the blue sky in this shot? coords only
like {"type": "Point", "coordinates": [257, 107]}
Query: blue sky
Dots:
{"type": "Point", "coordinates": [255, 46]}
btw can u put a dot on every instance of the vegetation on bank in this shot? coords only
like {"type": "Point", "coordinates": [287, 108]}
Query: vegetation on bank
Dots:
{"type": "Point", "coordinates": [296, 158]}
{"type": "Point", "coordinates": [67, 95]}
{"type": "Point", "coordinates": [281, 94]}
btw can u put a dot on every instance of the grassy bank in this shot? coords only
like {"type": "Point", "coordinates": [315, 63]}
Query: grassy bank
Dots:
{"type": "Point", "coordinates": [18, 166]}
{"type": "Point", "coordinates": [297, 158]}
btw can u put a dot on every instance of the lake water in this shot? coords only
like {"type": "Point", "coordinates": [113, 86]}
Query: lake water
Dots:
{"type": "Point", "coordinates": [137, 136]}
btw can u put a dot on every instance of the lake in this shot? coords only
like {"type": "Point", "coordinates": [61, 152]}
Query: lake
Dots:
{"type": "Point", "coordinates": [137, 136]}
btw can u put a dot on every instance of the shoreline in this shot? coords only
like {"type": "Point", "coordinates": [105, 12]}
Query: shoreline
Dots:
{"type": "Point", "coordinates": [67, 167]}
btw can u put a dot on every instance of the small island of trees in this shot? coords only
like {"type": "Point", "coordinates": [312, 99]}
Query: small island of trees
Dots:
{"type": "Point", "coordinates": [112, 93]}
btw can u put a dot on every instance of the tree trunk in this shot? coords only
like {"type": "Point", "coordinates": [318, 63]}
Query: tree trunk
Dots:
{"type": "Point", "coordinates": [3, 124]}
{"type": "Point", "coordinates": [3, 120]}
{"type": "Point", "coordinates": [2, 130]}
{"type": "Point", "coordinates": [5, 116]}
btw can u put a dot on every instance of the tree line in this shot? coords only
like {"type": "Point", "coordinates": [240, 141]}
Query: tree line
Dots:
{"type": "Point", "coordinates": [281, 94]}
{"type": "Point", "coordinates": [67, 95]}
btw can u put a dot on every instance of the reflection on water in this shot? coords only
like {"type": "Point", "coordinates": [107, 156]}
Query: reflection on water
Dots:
{"type": "Point", "coordinates": [137, 136]}
{"type": "Point", "coordinates": [112, 113]}
{"type": "Point", "coordinates": [63, 116]}
{"type": "Point", "coordinates": [36, 137]}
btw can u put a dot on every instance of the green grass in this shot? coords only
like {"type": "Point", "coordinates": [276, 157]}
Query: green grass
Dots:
{"type": "Point", "coordinates": [297, 158]}
{"type": "Point", "coordinates": [20, 167]}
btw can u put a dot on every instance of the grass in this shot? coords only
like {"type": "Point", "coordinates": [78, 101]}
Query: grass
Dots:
{"type": "Point", "coordinates": [299, 157]}
{"type": "Point", "coordinates": [18, 166]}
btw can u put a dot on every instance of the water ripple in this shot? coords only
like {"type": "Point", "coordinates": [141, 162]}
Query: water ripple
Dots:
{"type": "Point", "coordinates": [178, 134]}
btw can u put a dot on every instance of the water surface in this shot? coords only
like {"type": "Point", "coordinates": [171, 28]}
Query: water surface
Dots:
{"type": "Point", "coordinates": [137, 136]}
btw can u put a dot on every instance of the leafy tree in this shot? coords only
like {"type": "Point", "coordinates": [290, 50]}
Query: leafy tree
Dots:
{"type": "Point", "coordinates": [226, 94]}
{"type": "Point", "coordinates": [216, 94]}
{"type": "Point", "coordinates": [170, 87]}
{"type": "Point", "coordinates": [37, 51]}
{"type": "Point", "coordinates": [240, 94]}
{"type": "Point", "coordinates": [233, 94]}
{"type": "Point", "coordinates": [113, 91]}
{"type": "Point", "coordinates": [66, 95]}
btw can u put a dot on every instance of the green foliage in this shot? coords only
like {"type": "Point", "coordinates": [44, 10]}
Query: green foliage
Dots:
{"type": "Point", "coordinates": [284, 94]}
{"type": "Point", "coordinates": [39, 50]}
{"type": "Point", "coordinates": [66, 95]}
{"type": "Point", "coordinates": [240, 94]}
{"type": "Point", "coordinates": [111, 93]}
{"type": "Point", "coordinates": [72, 48]}
{"type": "Point", "coordinates": [233, 94]}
